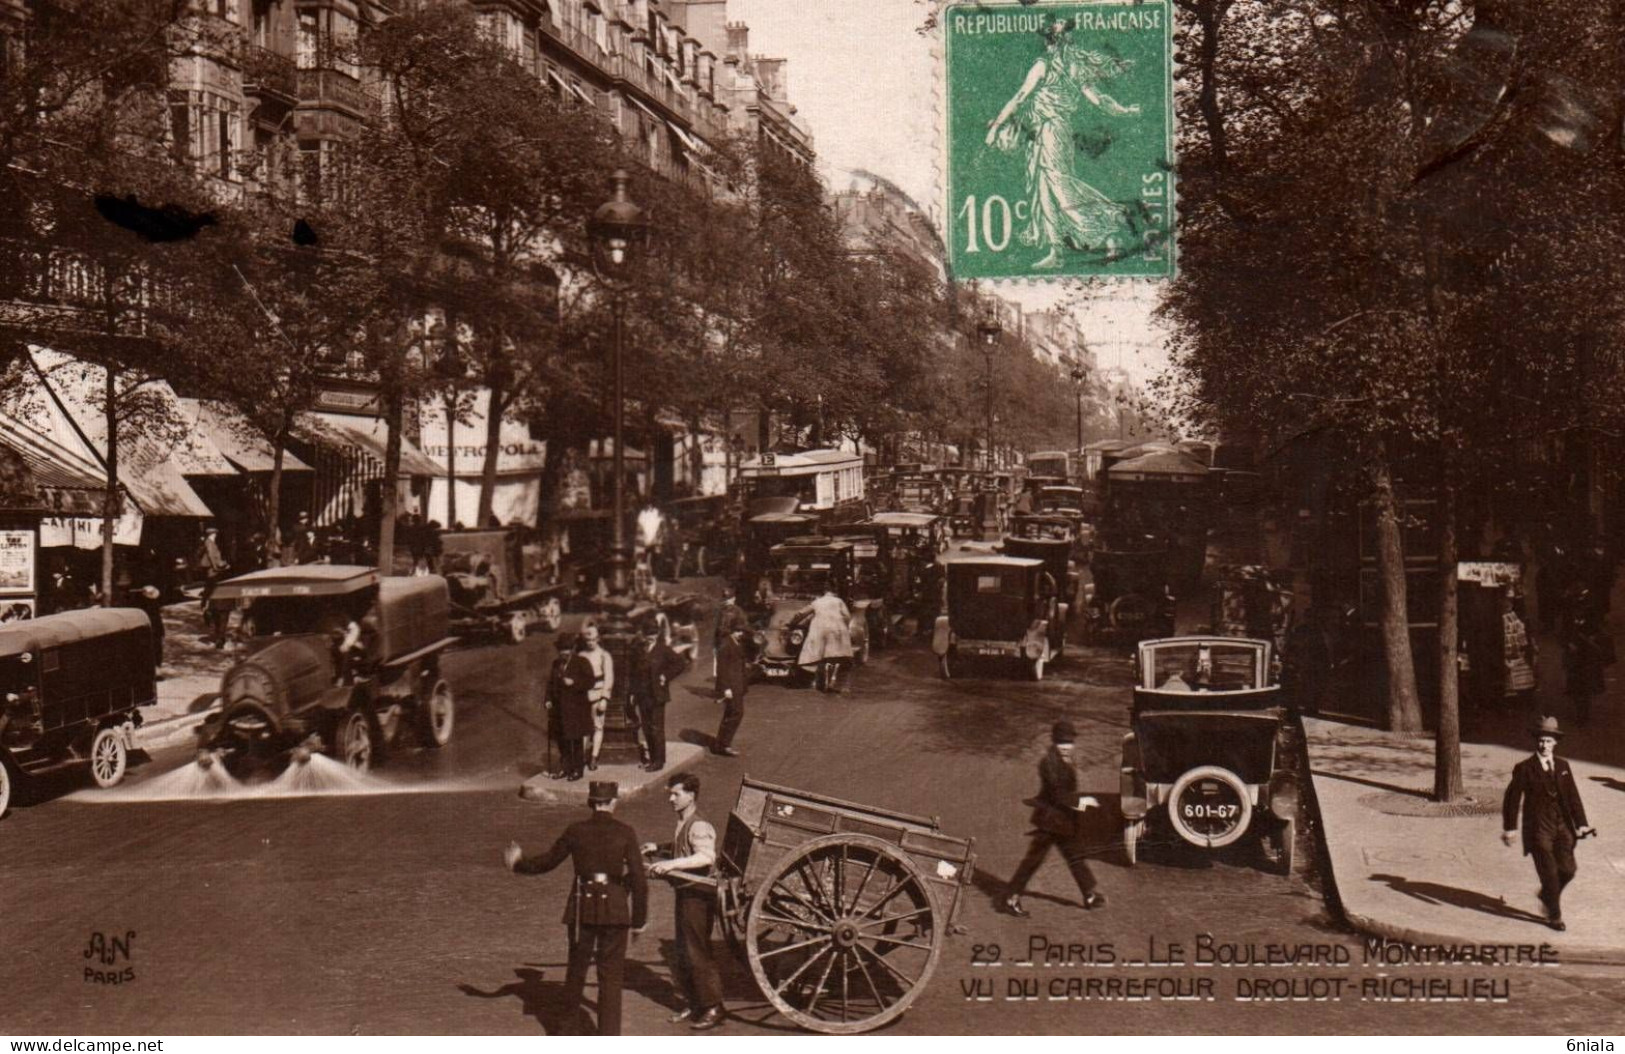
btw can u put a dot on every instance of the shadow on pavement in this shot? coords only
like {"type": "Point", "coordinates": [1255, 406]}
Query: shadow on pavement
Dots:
{"type": "Point", "coordinates": [1609, 782]}
{"type": "Point", "coordinates": [704, 740]}
{"type": "Point", "coordinates": [1396, 788]}
{"type": "Point", "coordinates": [539, 999]}
{"type": "Point", "coordinates": [1439, 894]}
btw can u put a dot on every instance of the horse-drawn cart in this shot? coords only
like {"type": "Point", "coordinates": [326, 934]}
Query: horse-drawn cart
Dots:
{"type": "Point", "coordinates": [840, 909]}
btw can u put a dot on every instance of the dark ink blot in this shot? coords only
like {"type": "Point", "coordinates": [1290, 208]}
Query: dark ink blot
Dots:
{"type": "Point", "coordinates": [304, 233]}
{"type": "Point", "coordinates": [167, 223]}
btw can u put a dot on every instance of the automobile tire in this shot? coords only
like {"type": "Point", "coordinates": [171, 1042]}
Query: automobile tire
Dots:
{"type": "Point", "coordinates": [1286, 839]}
{"type": "Point", "coordinates": [1229, 781]}
{"type": "Point", "coordinates": [1132, 833]}
{"type": "Point", "coordinates": [948, 664]}
{"type": "Point", "coordinates": [1130, 611]}
{"type": "Point", "coordinates": [436, 715]}
{"type": "Point", "coordinates": [517, 625]}
{"type": "Point", "coordinates": [702, 562]}
{"type": "Point", "coordinates": [550, 614]}
{"type": "Point", "coordinates": [5, 786]}
{"type": "Point", "coordinates": [353, 742]}
{"type": "Point", "coordinates": [1035, 669]}
{"type": "Point", "coordinates": [108, 758]}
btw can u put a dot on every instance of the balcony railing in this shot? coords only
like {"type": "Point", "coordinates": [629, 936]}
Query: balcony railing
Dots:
{"type": "Point", "coordinates": [332, 87]}
{"type": "Point", "coordinates": [266, 72]}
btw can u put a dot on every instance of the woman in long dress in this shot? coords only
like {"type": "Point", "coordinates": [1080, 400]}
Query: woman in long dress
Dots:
{"type": "Point", "coordinates": [1062, 210]}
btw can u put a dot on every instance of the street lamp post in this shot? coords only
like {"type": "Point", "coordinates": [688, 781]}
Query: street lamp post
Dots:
{"type": "Point", "coordinates": [618, 230]}
{"type": "Point", "coordinates": [990, 331]}
{"type": "Point", "coordinates": [1079, 375]}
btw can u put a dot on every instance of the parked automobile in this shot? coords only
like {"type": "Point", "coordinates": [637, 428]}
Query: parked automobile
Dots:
{"type": "Point", "coordinates": [1210, 755]}
{"type": "Point", "coordinates": [801, 570]}
{"type": "Point", "coordinates": [1130, 599]}
{"type": "Point", "coordinates": [509, 597]}
{"type": "Point", "coordinates": [341, 661]}
{"type": "Point", "coordinates": [998, 607]}
{"type": "Point", "coordinates": [73, 685]}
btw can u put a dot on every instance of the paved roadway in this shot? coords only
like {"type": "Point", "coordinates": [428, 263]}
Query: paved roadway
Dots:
{"type": "Point", "coordinates": [385, 913]}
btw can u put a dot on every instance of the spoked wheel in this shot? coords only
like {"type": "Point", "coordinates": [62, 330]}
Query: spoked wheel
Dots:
{"type": "Point", "coordinates": [731, 912]}
{"type": "Point", "coordinates": [354, 742]}
{"type": "Point", "coordinates": [108, 757]}
{"type": "Point", "coordinates": [517, 625]}
{"type": "Point", "coordinates": [549, 614]}
{"type": "Point", "coordinates": [436, 716]}
{"type": "Point", "coordinates": [843, 934]}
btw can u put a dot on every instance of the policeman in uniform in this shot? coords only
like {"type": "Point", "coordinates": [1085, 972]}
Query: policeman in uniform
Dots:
{"type": "Point", "coordinates": [608, 867]}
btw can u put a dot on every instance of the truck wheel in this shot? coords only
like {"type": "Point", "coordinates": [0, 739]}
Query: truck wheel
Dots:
{"type": "Point", "coordinates": [1132, 833]}
{"type": "Point", "coordinates": [353, 742]}
{"type": "Point", "coordinates": [108, 758]}
{"type": "Point", "coordinates": [517, 624]}
{"type": "Point", "coordinates": [436, 715]}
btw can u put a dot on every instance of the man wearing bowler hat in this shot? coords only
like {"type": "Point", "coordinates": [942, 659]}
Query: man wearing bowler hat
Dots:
{"type": "Point", "coordinates": [1057, 809]}
{"type": "Point", "coordinates": [1554, 820]}
{"type": "Point", "coordinates": [608, 869]}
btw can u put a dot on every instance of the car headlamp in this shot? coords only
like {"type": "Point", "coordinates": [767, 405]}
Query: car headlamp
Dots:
{"type": "Point", "coordinates": [797, 636]}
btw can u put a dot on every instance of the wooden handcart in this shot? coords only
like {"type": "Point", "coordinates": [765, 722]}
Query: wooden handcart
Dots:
{"type": "Point", "coordinates": [840, 909]}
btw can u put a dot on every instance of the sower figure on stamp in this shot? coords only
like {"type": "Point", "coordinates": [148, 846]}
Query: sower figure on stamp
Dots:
{"type": "Point", "coordinates": [1554, 819]}
{"type": "Point", "coordinates": [693, 851]}
{"type": "Point", "coordinates": [1057, 810]}
{"type": "Point", "coordinates": [608, 870]}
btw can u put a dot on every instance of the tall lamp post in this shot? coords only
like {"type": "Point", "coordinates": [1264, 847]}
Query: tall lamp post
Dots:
{"type": "Point", "coordinates": [618, 230]}
{"type": "Point", "coordinates": [990, 330]}
{"type": "Point", "coordinates": [1079, 375]}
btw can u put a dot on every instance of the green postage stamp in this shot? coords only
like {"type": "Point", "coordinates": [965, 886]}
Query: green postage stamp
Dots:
{"type": "Point", "coordinates": [1060, 138]}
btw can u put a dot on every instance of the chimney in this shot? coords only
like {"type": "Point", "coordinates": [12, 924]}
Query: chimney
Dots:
{"type": "Point", "coordinates": [770, 73]}
{"type": "Point", "coordinates": [738, 40]}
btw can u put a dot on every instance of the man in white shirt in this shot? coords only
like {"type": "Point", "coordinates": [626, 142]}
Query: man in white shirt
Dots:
{"type": "Point", "coordinates": [693, 851]}
{"type": "Point", "coordinates": [603, 687]}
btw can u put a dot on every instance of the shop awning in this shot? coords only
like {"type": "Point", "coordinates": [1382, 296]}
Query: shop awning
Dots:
{"type": "Point", "coordinates": [689, 141]}
{"type": "Point", "coordinates": [232, 434]}
{"type": "Point", "coordinates": [64, 484]}
{"type": "Point", "coordinates": [367, 435]}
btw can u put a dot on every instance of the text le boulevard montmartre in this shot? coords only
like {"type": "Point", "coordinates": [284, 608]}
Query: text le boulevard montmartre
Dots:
{"type": "Point", "coordinates": [1204, 949]}
{"type": "Point", "coordinates": [989, 22]}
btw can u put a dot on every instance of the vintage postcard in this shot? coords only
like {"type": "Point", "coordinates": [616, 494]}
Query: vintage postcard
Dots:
{"type": "Point", "coordinates": [809, 517]}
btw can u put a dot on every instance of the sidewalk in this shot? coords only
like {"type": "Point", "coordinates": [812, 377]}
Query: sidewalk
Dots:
{"type": "Point", "coordinates": [1409, 869]}
{"type": "Point", "coordinates": [191, 680]}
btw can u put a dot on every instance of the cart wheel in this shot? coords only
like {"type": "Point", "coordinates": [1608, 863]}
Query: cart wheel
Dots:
{"type": "Point", "coordinates": [1132, 833]}
{"type": "Point", "coordinates": [550, 614]}
{"type": "Point", "coordinates": [435, 716]}
{"type": "Point", "coordinates": [1035, 669]}
{"type": "Point", "coordinates": [354, 742]}
{"type": "Point", "coordinates": [948, 663]}
{"type": "Point", "coordinates": [843, 934]}
{"type": "Point", "coordinates": [108, 757]}
{"type": "Point", "coordinates": [5, 786]}
{"type": "Point", "coordinates": [518, 623]}
{"type": "Point", "coordinates": [731, 911]}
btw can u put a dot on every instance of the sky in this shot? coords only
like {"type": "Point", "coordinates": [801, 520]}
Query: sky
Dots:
{"type": "Point", "coordinates": [865, 81]}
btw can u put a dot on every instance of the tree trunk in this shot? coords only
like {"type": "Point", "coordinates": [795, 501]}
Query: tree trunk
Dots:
{"type": "Point", "coordinates": [764, 429]}
{"type": "Point", "coordinates": [273, 500]}
{"type": "Point", "coordinates": [1447, 747]}
{"type": "Point", "coordinates": [495, 409]}
{"type": "Point", "coordinates": [392, 475]}
{"type": "Point", "coordinates": [696, 455]}
{"type": "Point", "coordinates": [110, 502]}
{"type": "Point", "coordinates": [1404, 708]}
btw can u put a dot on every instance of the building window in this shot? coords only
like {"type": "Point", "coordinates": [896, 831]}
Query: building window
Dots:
{"type": "Point", "coordinates": [180, 127]}
{"type": "Point", "coordinates": [262, 23]}
{"type": "Point", "coordinates": [308, 44]}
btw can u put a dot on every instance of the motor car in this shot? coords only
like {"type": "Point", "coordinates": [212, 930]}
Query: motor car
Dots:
{"type": "Point", "coordinates": [871, 575]}
{"type": "Point", "coordinates": [1057, 555]}
{"type": "Point", "coordinates": [703, 535]}
{"type": "Point", "coordinates": [1210, 755]}
{"type": "Point", "coordinates": [510, 597]}
{"type": "Point", "coordinates": [341, 661]}
{"type": "Point", "coordinates": [73, 685]}
{"type": "Point", "coordinates": [910, 545]}
{"type": "Point", "coordinates": [768, 522]}
{"type": "Point", "coordinates": [921, 493]}
{"type": "Point", "coordinates": [800, 571]}
{"type": "Point", "coordinates": [998, 607]}
{"type": "Point", "coordinates": [1130, 598]}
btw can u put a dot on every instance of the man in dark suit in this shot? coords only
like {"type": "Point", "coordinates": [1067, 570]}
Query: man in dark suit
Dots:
{"type": "Point", "coordinates": [733, 678]}
{"type": "Point", "coordinates": [654, 666]}
{"type": "Point", "coordinates": [575, 711]}
{"type": "Point", "coordinates": [608, 868]}
{"type": "Point", "coordinates": [729, 615]}
{"type": "Point", "coordinates": [1056, 811]}
{"type": "Point", "coordinates": [1553, 817]}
